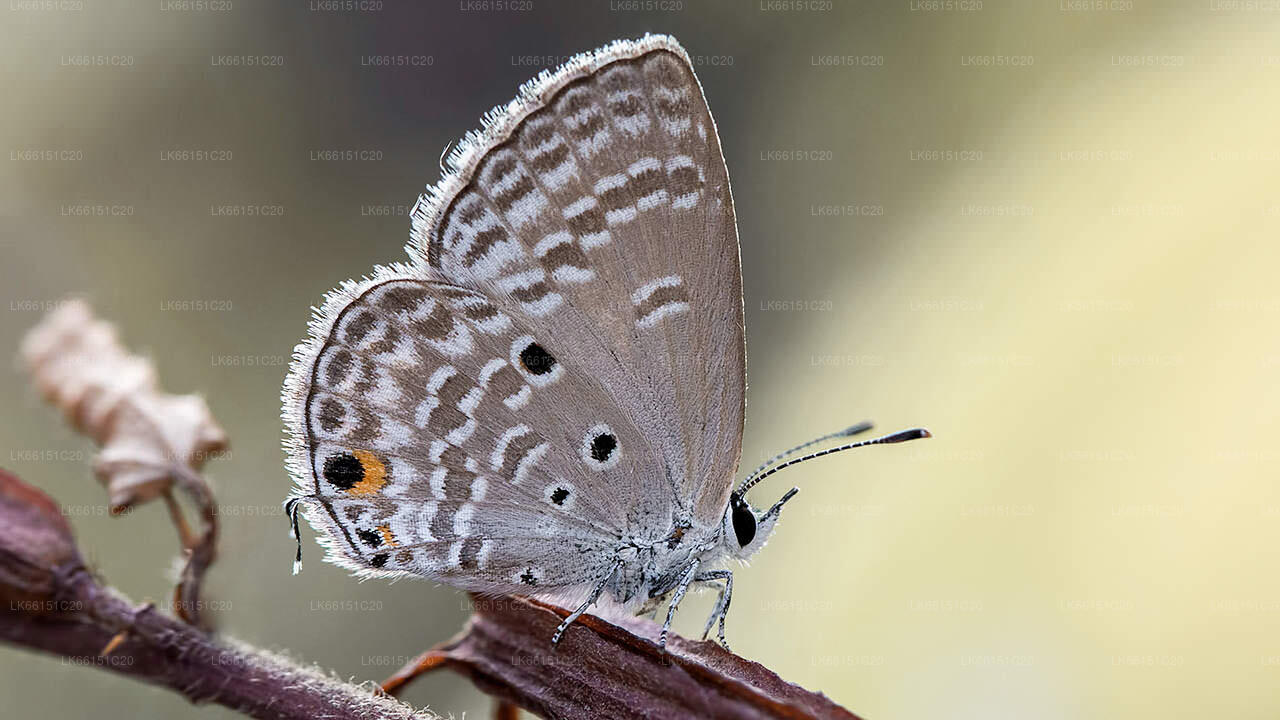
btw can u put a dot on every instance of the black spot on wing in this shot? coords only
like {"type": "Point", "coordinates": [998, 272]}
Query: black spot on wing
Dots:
{"type": "Point", "coordinates": [343, 470]}
{"type": "Point", "coordinates": [602, 446]}
{"type": "Point", "coordinates": [371, 538]}
{"type": "Point", "coordinates": [537, 360]}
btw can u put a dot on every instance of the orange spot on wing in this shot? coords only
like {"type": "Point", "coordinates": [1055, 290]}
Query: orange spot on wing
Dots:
{"type": "Point", "coordinates": [375, 474]}
{"type": "Point", "coordinates": [387, 538]}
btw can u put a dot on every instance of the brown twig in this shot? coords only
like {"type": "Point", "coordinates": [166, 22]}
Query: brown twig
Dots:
{"type": "Point", "coordinates": [201, 550]}
{"type": "Point", "coordinates": [185, 536]}
{"type": "Point", "coordinates": [427, 662]}
{"type": "Point", "coordinates": [612, 669]}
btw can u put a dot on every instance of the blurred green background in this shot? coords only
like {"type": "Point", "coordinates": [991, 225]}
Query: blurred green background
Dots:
{"type": "Point", "coordinates": [1045, 230]}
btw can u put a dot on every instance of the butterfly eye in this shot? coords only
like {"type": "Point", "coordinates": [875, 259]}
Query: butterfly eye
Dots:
{"type": "Point", "coordinates": [744, 522]}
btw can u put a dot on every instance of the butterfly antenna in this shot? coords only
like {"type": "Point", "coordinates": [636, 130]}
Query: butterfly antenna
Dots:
{"type": "Point", "coordinates": [847, 432]}
{"type": "Point", "coordinates": [901, 436]}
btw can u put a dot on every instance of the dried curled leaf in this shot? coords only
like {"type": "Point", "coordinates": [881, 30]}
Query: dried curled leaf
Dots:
{"type": "Point", "coordinates": [150, 439]}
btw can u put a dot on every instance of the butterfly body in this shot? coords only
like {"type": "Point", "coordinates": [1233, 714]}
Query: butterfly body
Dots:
{"type": "Point", "coordinates": [653, 568]}
{"type": "Point", "coordinates": [547, 399]}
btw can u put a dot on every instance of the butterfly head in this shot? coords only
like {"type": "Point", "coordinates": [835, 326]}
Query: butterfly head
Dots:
{"type": "Point", "coordinates": [746, 529]}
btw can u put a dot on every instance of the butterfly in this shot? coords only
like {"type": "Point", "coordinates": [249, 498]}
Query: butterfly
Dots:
{"type": "Point", "coordinates": [547, 398]}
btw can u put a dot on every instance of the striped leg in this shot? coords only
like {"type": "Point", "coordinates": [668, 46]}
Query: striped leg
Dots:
{"type": "Point", "coordinates": [675, 602]}
{"type": "Point", "coordinates": [595, 595]}
{"type": "Point", "coordinates": [722, 603]}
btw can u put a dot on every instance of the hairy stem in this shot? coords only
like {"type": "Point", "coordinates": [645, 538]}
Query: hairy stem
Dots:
{"type": "Point", "coordinates": [164, 651]}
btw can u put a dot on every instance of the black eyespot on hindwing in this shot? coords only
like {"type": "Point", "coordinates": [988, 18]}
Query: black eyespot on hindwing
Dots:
{"type": "Point", "coordinates": [536, 359]}
{"type": "Point", "coordinates": [372, 538]}
{"type": "Point", "coordinates": [559, 495]}
{"type": "Point", "coordinates": [343, 470]}
{"type": "Point", "coordinates": [378, 560]}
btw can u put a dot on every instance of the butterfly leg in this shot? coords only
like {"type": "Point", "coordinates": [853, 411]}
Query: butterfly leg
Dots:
{"type": "Point", "coordinates": [596, 592]}
{"type": "Point", "coordinates": [715, 612]}
{"type": "Point", "coordinates": [722, 603]}
{"type": "Point", "coordinates": [675, 602]}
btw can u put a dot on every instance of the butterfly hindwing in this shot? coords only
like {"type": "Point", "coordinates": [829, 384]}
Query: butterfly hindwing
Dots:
{"type": "Point", "coordinates": [421, 447]}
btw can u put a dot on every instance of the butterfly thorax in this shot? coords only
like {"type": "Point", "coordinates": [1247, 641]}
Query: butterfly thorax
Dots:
{"type": "Point", "coordinates": [651, 570]}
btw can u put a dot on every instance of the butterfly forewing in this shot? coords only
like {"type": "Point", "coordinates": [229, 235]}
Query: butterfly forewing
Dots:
{"type": "Point", "coordinates": [605, 218]}
{"type": "Point", "coordinates": [562, 365]}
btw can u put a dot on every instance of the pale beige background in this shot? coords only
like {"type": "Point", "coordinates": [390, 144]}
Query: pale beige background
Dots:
{"type": "Point", "coordinates": [1046, 230]}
